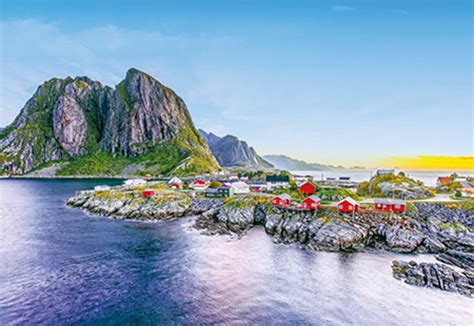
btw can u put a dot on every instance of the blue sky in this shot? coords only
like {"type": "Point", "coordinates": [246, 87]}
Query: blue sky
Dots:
{"type": "Point", "coordinates": [341, 82]}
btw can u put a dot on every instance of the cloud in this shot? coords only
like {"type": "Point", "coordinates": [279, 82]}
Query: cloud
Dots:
{"type": "Point", "coordinates": [342, 8]}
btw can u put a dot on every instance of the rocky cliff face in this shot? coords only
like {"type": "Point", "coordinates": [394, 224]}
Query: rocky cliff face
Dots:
{"type": "Point", "coordinates": [68, 119]}
{"type": "Point", "coordinates": [230, 151]}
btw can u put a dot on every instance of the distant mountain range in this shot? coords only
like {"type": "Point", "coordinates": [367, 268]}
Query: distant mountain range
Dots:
{"type": "Point", "coordinates": [283, 162]}
{"type": "Point", "coordinates": [233, 152]}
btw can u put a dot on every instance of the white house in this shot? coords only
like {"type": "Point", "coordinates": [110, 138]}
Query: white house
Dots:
{"type": "Point", "coordinates": [240, 187]}
{"type": "Point", "coordinates": [134, 182]}
{"type": "Point", "coordinates": [102, 188]}
{"type": "Point", "coordinates": [175, 180]}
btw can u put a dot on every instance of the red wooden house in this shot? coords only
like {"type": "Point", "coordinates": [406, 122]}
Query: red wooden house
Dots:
{"type": "Point", "coordinates": [148, 193]}
{"type": "Point", "coordinates": [311, 203]}
{"type": "Point", "coordinates": [281, 200]}
{"type": "Point", "coordinates": [175, 186]}
{"type": "Point", "coordinates": [389, 205]}
{"type": "Point", "coordinates": [382, 204]}
{"type": "Point", "coordinates": [348, 205]}
{"type": "Point", "coordinates": [398, 205]}
{"type": "Point", "coordinates": [307, 188]}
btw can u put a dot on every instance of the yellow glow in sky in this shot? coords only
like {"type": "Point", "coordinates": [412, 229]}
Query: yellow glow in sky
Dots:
{"type": "Point", "coordinates": [431, 162]}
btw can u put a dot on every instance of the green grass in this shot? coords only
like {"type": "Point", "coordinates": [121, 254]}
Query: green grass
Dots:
{"type": "Point", "coordinates": [100, 163]}
{"type": "Point", "coordinates": [248, 201]}
{"type": "Point", "coordinates": [161, 159]}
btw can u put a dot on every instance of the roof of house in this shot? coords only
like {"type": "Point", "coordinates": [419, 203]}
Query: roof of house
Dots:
{"type": "Point", "coordinates": [307, 182]}
{"type": "Point", "coordinates": [445, 179]}
{"type": "Point", "coordinates": [284, 196]}
{"type": "Point", "coordinates": [389, 201]}
{"type": "Point", "coordinates": [277, 178]}
{"type": "Point", "coordinates": [385, 201]}
{"type": "Point", "coordinates": [398, 202]}
{"type": "Point", "coordinates": [350, 200]}
{"type": "Point", "coordinates": [211, 190]}
{"type": "Point", "coordinates": [175, 180]}
{"type": "Point", "coordinates": [224, 187]}
{"type": "Point", "coordinates": [313, 197]}
{"type": "Point", "coordinates": [239, 184]}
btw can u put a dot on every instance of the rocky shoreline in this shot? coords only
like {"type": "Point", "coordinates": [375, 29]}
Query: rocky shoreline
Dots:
{"type": "Point", "coordinates": [430, 228]}
{"type": "Point", "coordinates": [441, 276]}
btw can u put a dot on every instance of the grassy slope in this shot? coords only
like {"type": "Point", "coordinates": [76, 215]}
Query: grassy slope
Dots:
{"type": "Point", "coordinates": [373, 189]}
{"type": "Point", "coordinates": [161, 159]}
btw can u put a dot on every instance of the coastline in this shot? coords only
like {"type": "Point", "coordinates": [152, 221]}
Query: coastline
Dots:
{"type": "Point", "coordinates": [435, 228]}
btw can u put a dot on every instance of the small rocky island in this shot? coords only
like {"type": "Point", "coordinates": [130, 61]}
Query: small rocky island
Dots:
{"type": "Point", "coordinates": [443, 229]}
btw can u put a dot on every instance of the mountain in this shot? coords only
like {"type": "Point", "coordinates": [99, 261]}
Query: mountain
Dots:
{"type": "Point", "coordinates": [230, 151]}
{"type": "Point", "coordinates": [138, 127]}
{"type": "Point", "coordinates": [283, 162]}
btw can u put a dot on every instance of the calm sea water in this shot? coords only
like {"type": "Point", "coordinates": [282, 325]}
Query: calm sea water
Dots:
{"type": "Point", "coordinates": [428, 177]}
{"type": "Point", "coordinates": [61, 266]}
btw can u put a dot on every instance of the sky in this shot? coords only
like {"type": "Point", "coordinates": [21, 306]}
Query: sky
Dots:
{"type": "Point", "coordinates": [337, 82]}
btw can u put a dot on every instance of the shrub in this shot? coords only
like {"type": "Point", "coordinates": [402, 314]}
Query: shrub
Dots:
{"type": "Point", "coordinates": [215, 184]}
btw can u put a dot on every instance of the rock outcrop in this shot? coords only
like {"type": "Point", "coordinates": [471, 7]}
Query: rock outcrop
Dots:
{"type": "Point", "coordinates": [434, 276]}
{"type": "Point", "coordinates": [70, 118]}
{"type": "Point", "coordinates": [124, 203]}
{"type": "Point", "coordinates": [394, 186]}
{"type": "Point", "coordinates": [232, 152]}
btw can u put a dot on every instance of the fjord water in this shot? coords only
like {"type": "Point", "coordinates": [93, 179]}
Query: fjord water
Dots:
{"type": "Point", "coordinates": [61, 266]}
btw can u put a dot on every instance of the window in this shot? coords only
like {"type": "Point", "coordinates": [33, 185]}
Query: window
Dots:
{"type": "Point", "coordinates": [340, 206]}
{"type": "Point", "coordinates": [350, 206]}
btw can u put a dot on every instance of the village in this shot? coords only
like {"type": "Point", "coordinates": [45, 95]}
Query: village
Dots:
{"type": "Point", "coordinates": [390, 211]}
{"type": "Point", "coordinates": [297, 193]}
